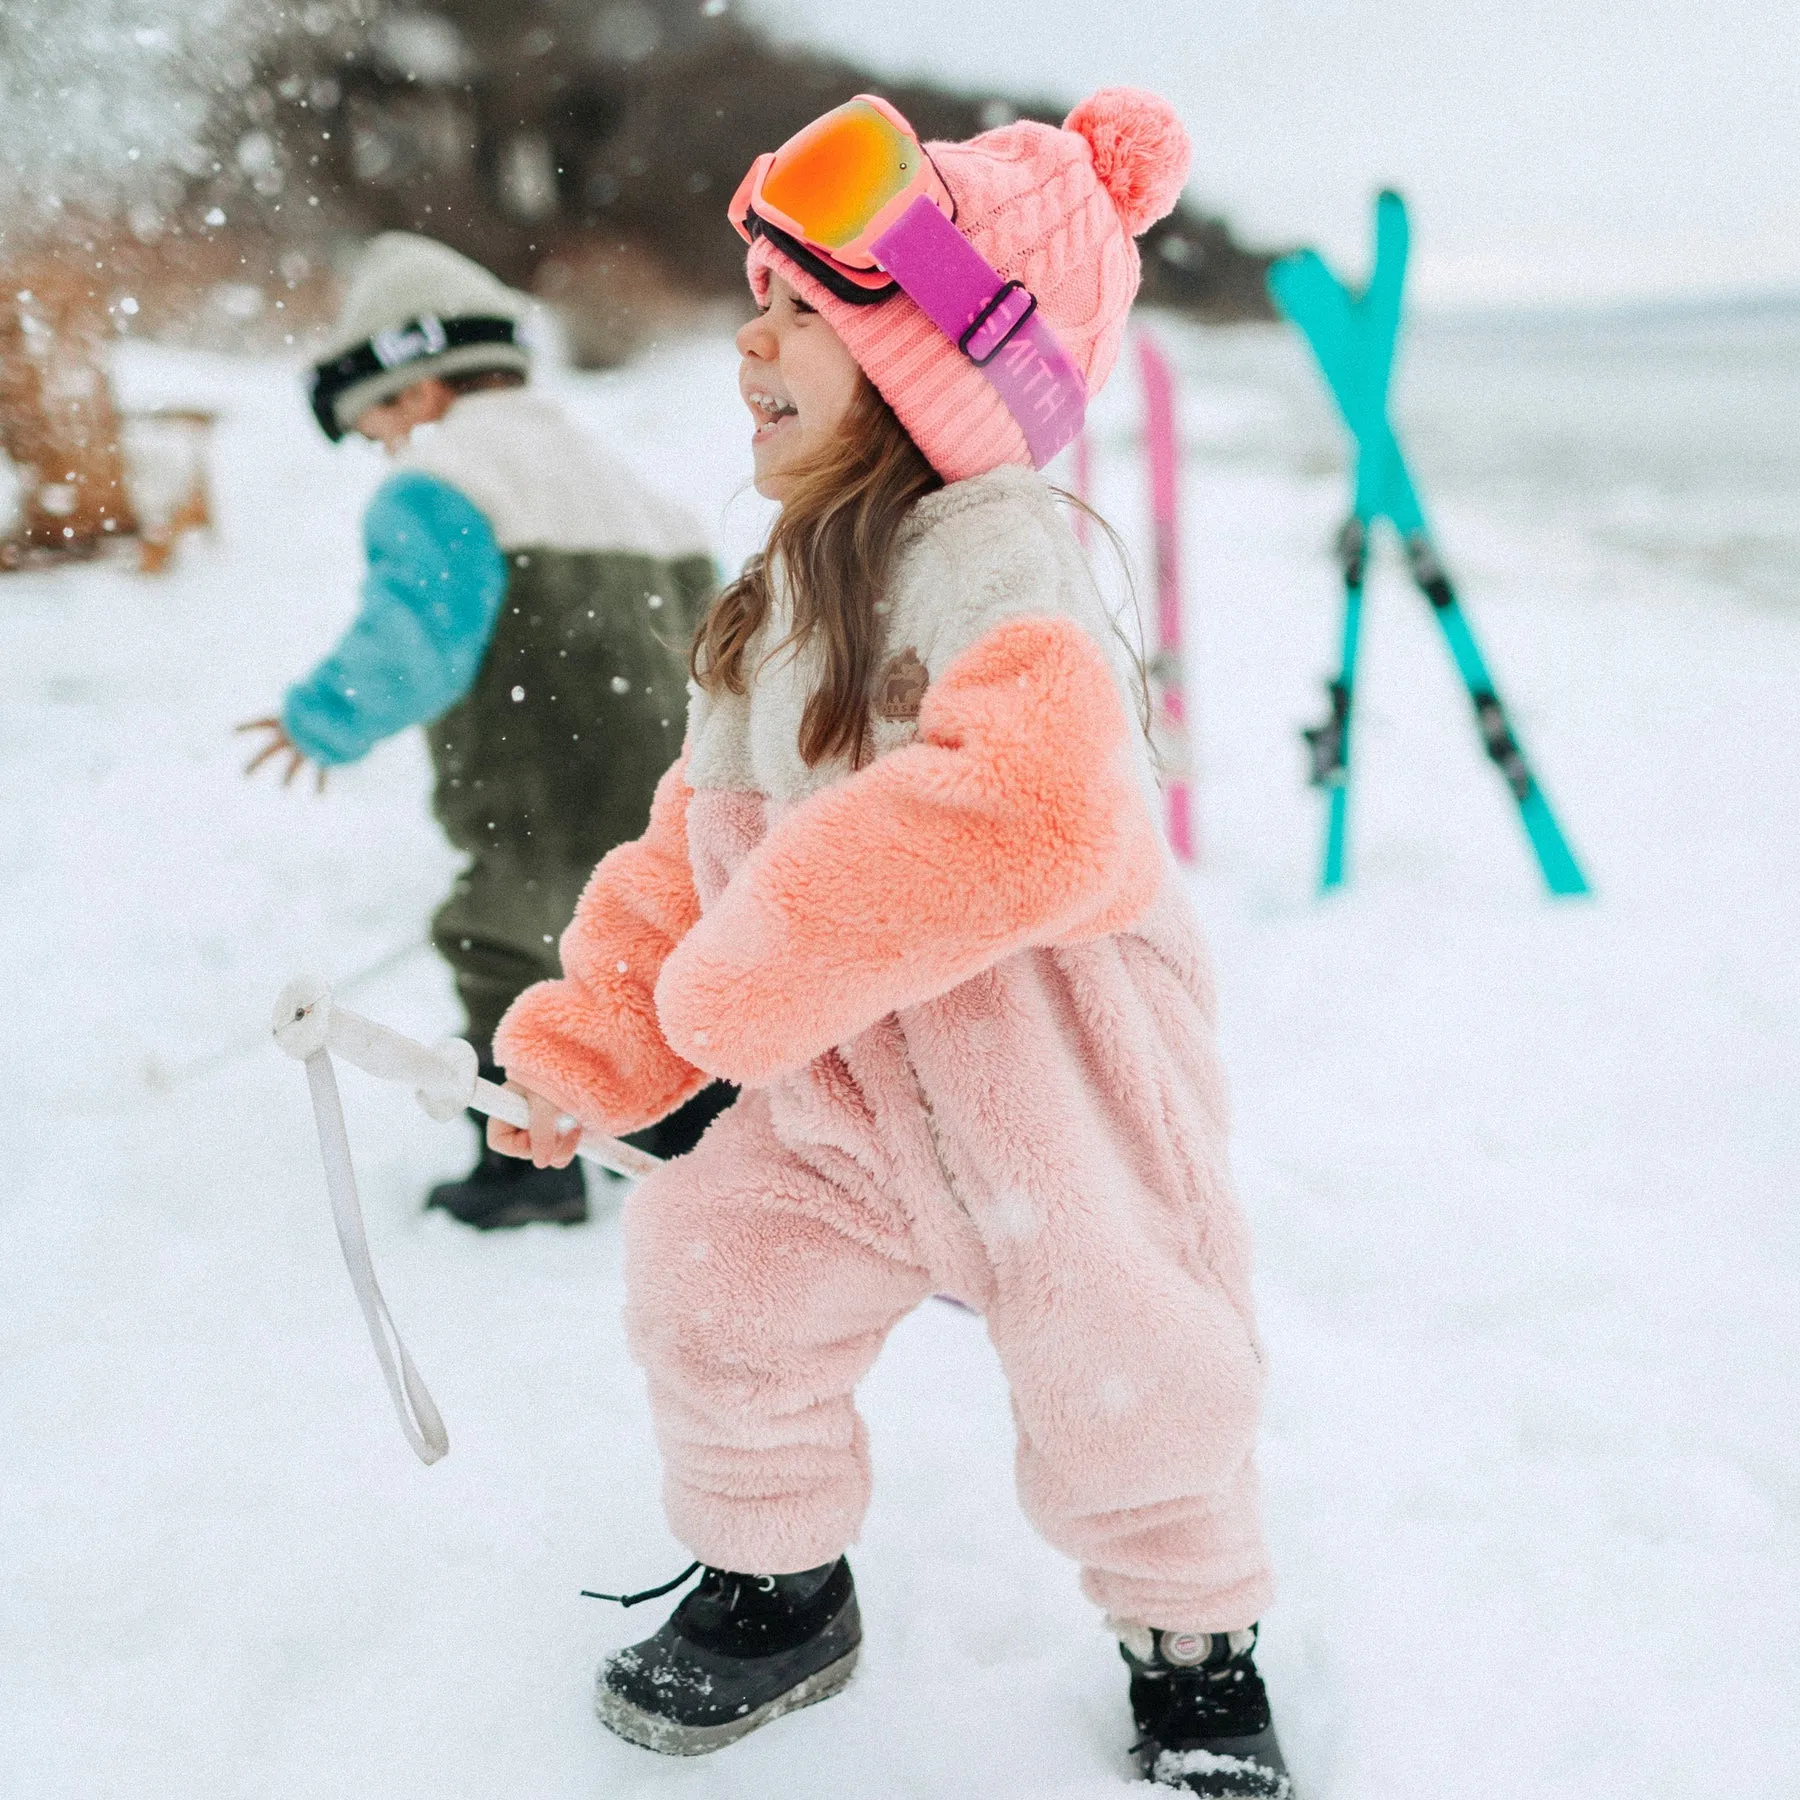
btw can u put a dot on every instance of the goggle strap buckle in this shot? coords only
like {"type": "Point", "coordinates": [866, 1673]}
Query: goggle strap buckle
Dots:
{"type": "Point", "coordinates": [1011, 323]}
{"type": "Point", "coordinates": [962, 293]}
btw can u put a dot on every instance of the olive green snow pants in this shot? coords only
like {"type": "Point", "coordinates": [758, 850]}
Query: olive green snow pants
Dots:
{"type": "Point", "coordinates": [498, 930]}
{"type": "Point", "coordinates": [551, 757]}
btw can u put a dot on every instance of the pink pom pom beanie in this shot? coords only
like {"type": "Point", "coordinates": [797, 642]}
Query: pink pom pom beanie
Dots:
{"type": "Point", "coordinates": [1056, 210]}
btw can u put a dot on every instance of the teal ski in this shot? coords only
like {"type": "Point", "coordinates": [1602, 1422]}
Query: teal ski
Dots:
{"type": "Point", "coordinates": [1353, 338]}
{"type": "Point", "coordinates": [1329, 744]}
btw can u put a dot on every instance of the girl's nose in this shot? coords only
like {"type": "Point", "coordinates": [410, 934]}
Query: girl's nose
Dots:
{"type": "Point", "coordinates": [756, 339]}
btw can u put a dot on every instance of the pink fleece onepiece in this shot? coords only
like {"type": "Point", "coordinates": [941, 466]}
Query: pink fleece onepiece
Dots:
{"type": "Point", "coordinates": [968, 1005]}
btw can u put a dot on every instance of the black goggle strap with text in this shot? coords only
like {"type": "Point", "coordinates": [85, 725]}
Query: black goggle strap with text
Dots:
{"type": "Point", "coordinates": [416, 341]}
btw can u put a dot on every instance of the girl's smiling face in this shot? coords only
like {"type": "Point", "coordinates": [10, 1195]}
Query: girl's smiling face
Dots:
{"type": "Point", "coordinates": [798, 381]}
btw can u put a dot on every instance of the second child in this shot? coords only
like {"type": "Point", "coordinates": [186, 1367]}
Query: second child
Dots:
{"type": "Point", "coordinates": [526, 601]}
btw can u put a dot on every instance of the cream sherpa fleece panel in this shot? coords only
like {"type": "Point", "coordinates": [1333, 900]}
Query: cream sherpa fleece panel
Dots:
{"type": "Point", "coordinates": [968, 558]}
{"type": "Point", "coordinates": [543, 484]}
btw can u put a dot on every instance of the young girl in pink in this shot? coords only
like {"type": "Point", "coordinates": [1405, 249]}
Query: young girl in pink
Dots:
{"type": "Point", "coordinates": [905, 888]}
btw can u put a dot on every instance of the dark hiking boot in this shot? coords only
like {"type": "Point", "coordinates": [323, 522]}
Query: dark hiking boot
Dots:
{"type": "Point", "coordinates": [1202, 1715]}
{"type": "Point", "coordinates": [739, 1651]}
{"type": "Point", "coordinates": [503, 1191]}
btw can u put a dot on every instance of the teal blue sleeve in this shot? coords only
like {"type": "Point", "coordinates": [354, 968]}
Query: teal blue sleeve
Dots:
{"type": "Point", "coordinates": [433, 591]}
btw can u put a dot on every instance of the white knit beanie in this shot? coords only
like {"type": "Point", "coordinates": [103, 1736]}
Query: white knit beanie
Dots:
{"type": "Point", "coordinates": [403, 281]}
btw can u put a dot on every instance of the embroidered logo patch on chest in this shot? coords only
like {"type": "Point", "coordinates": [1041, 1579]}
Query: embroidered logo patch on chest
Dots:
{"type": "Point", "coordinates": [901, 691]}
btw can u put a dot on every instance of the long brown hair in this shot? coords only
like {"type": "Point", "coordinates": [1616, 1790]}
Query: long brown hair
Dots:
{"type": "Point", "coordinates": [831, 545]}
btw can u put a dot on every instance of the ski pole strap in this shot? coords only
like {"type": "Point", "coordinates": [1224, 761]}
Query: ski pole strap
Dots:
{"type": "Point", "coordinates": [417, 1412]}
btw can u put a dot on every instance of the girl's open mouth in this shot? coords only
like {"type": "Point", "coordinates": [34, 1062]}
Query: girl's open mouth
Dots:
{"type": "Point", "coordinates": [769, 412]}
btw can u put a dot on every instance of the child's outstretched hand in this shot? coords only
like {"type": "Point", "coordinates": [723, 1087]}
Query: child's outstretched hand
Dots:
{"type": "Point", "coordinates": [550, 1139]}
{"type": "Point", "coordinates": [278, 742]}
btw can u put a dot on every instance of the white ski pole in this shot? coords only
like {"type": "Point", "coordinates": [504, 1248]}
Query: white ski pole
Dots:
{"type": "Point", "coordinates": [446, 1079]}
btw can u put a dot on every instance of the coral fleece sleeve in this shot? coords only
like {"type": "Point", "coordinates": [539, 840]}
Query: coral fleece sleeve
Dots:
{"type": "Point", "coordinates": [591, 1041]}
{"type": "Point", "coordinates": [1015, 819]}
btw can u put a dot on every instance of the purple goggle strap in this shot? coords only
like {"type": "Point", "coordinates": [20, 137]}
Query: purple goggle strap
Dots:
{"type": "Point", "coordinates": [994, 322]}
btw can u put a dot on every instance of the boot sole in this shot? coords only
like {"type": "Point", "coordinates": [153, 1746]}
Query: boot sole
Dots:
{"type": "Point", "coordinates": [668, 1737]}
{"type": "Point", "coordinates": [1239, 1768]}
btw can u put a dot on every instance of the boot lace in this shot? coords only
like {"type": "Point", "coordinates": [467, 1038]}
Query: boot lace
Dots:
{"type": "Point", "coordinates": [723, 1585]}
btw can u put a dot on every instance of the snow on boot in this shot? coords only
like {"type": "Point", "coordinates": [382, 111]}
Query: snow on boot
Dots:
{"type": "Point", "coordinates": [1202, 1714]}
{"type": "Point", "coordinates": [504, 1191]}
{"type": "Point", "coordinates": [739, 1651]}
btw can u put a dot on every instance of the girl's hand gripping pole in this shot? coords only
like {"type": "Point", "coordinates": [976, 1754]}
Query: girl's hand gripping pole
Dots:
{"type": "Point", "coordinates": [309, 1028]}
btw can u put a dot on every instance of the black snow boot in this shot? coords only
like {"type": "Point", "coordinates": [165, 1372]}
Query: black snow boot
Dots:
{"type": "Point", "coordinates": [1202, 1715]}
{"type": "Point", "coordinates": [503, 1191]}
{"type": "Point", "coordinates": [739, 1651]}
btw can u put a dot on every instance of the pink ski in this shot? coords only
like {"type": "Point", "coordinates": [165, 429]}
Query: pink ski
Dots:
{"type": "Point", "coordinates": [1084, 487]}
{"type": "Point", "coordinates": [1165, 661]}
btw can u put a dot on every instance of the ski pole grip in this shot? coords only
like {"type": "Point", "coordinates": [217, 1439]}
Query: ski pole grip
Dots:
{"type": "Point", "coordinates": [302, 1016]}
{"type": "Point", "coordinates": [306, 1020]}
{"type": "Point", "coordinates": [446, 1079]}
{"type": "Point", "coordinates": [502, 1103]}
{"type": "Point", "coordinates": [610, 1153]}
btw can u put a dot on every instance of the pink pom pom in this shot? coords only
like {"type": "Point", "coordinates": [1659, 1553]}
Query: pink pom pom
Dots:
{"type": "Point", "coordinates": [1140, 152]}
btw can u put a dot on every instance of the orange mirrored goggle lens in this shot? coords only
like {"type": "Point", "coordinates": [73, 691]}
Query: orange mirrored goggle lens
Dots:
{"type": "Point", "coordinates": [834, 177]}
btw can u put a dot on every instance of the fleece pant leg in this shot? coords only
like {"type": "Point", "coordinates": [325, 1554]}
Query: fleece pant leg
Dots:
{"type": "Point", "coordinates": [760, 1293]}
{"type": "Point", "coordinates": [1136, 1392]}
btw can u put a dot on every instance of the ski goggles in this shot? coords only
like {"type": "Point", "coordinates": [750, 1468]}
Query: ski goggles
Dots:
{"type": "Point", "coordinates": [855, 201]}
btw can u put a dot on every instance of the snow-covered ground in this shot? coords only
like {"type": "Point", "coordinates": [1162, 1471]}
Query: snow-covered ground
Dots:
{"type": "Point", "coordinates": [1523, 1179]}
